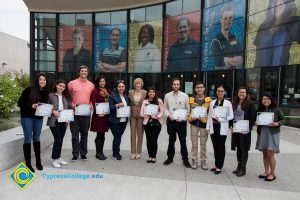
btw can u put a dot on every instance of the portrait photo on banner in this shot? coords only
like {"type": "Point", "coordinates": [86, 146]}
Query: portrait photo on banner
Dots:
{"type": "Point", "coordinates": [223, 36]}
{"type": "Point", "coordinates": [145, 44]}
{"type": "Point", "coordinates": [74, 48]}
{"type": "Point", "coordinates": [110, 49]}
{"type": "Point", "coordinates": [182, 43]}
{"type": "Point", "coordinates": [273, 33]}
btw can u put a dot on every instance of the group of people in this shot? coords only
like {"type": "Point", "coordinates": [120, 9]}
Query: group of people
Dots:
{"type": "Point", "coordinates": [82, 91]}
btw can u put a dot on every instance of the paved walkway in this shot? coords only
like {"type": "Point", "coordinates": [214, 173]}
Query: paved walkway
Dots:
{"type": "Point", "coordinates": [137, 179]}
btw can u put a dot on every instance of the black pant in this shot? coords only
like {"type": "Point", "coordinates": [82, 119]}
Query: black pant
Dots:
{"type": "Point", "coordinates": [58, 133]}
{"type": "Point", "coordinates": [174, 127]}
{"type": "Point", "coordinates": [152, 133]}
{"type": "Point", "coordinates": [242, 152]}
{"type": "Point", "coordinates": [219, 146]}
{"type": "Point", "coordinates": [100, 137]}
{"type": "Point", "coordinates": [117, 131]}
{"type": "Point", "coordinates": [80, 125]}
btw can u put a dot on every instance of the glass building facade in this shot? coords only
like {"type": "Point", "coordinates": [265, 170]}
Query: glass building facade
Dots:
{"type": "Point", "coordinates": [230, 42]}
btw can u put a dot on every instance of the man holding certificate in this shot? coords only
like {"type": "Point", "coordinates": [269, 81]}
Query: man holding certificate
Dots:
{"type": "Point", "coordinates": [80, 90]}
{"type": "Point", "coordinates": [219, 115]}
{"type": "Point", "coordinates": [244, 118]}
{"type": "Point", "coordinates": [198, 118]}
{"type": "Point", "coordinates": [176, 123]}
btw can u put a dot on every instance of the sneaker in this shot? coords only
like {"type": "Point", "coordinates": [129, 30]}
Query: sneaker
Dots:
{"type": "Point", "coordinates": [194, 164]}
{"type": "Point", "coordinates": [56, 163]}
{"type": "Point", "coordinates": [117, 157]}
{"type": "Point", "coordinates": [187, 164]}
{"type": "Point", "coordinates": [203, 165]}
{"type": "Point", "coordinates": [74, 159]}
{"type": "Point", "coordinates": [62, 161]}
{"type": "Point", "coordinates": [83, 158]}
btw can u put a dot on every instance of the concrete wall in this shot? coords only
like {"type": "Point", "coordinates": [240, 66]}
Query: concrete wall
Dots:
{"type": "Point", "coordinates": [14, 53]}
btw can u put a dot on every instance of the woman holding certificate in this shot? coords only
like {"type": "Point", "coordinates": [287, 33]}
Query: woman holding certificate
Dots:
{"type": "Point", "coordinates": [152, 110]}
{"type": "Point", "coordinates": [268, 121]}
{"type": "Point", "coordinates": [99, 124]}
{"type": "Point", "coordinates": [32, 124]}
{"type": "Point", "coordinates": [136, 96]}
{"type": "Point", "coordinates": [119, 113]}
{"type": "Point", "coordinates": [61, 100]}
{"type": "Point", "coordinates": [219, 115]}
{"type": "Point", "coordinates": [242, 123]}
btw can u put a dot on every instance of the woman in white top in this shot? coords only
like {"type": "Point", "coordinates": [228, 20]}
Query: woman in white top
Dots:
{"type": "Point", "coordinates": [218, 127]}
{"type": "Point", "coordinates": [148, 56]}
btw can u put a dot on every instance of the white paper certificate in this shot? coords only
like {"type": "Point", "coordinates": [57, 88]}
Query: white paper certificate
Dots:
{"type": "Point", "coordinates": [241, 126]}
{"type": "Point", "coordinates": [83, 110]}
{"type": "Point", "coordinates": [264, 118]}
{"type": "Point", "coordinates": [220, 112]}
{"type": "Point", "coordinates": [102, 108]}
{"type": "Point", "coordinates": [123, 111]}
{"type": "Point", "coordinates": [151, 109]}
{"type": "Point", "coordinates": [44, 109]}
{"type": "Point", "coordinates": [199, 112]}
{"type": "Point", "coordinates": [180, 114]}
{"type": "Point", "coordinates": [66, 115]}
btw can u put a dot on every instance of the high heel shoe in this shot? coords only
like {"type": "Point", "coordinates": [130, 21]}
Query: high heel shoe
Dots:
{"type": "Point", "coordinates": [138, 156]}
{"type": "Point", "coordinates": [133, 156]}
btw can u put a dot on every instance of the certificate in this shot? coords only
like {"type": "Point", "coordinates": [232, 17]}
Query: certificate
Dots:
{"type": "Point", "coordinates": [180, 114]}
{"type": "Point", "coordinates": [66, 115]}
{"type": "Point", "coordinates": [151, 109]}
{"type": "Point", "coordinates": [83, 110]}
{"type": "Point", "coordinates": [199, 112]}
{"type": "Point", "coordinates": [102, 108]}
{"type": "Point", "coordinates": [241, 126]}
{"type": "Point", "coordinates": [220, 112]}
{"type": "Point", "coordinates": [44, 109]}
{"type": "Point", "coordinates": [123, 111]}
{"type": "Point", "coordinates": [264, 118]}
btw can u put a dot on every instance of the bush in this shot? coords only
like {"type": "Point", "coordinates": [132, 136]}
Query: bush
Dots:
{"type": "Point", "coordinates": [10, 90]}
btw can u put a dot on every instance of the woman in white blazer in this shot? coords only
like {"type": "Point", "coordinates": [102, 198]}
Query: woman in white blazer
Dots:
{"type": "Point", "coordinates": [218, 128]}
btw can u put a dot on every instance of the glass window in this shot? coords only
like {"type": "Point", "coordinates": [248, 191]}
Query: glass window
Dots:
{"type": "Point", "coordinates": [67, 19]}
{"type": "Point", "coordinates": [45, 33]}
{"type": "Point", "coordinates": [290, 94]}
{"type": "Point", "coordinates": [154, 13]}
{"type": "Point", "coordinates": [119, 17]}
{"type": "Point", "coordinates": [102, 18]}
{"type": "Point", "coordinates": [137, 15]}
{"type": "Point", "coordinates": [253, 83]}
{"type": "Point", "coordinates": [270, 82]}
{"type": "Point", "coordinates": [45, 55]}
{"type": "Point", "coordinates": [83, 19]}
{"type": "Point", "coordinates": [174, 8]}
{"type": "Point", "coordinates": [210, 3]}
{"type": "Point", "coordinates": [191, 5]}
{"type": "Point", "coordinates": [45, 44]}
{"type": "Point", "coordinates": [45, 19]}
{"type": "Point", "coordinates": [44, 66]}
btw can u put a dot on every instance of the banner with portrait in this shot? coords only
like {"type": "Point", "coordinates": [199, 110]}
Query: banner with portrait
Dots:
{"type": "Point", "coordinates": [182, 43]}
{"type": "Point", "coordinates": [74, 48]}
{"type": "Point", "coordinates": [110, 48]}
{"type": "Point", "coordinates": [223, 36]}
{"type": "Point", "coordinates": [273, 33]}
{"type": "Point", "coordinates": [145, 45]}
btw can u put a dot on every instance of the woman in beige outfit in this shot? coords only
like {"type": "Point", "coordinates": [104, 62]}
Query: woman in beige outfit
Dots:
{"type": "Point", "coordinates": [136, 96]}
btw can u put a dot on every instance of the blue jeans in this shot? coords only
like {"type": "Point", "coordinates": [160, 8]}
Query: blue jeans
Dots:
{"type": "Point", "coordinates": [32, 128]}
{"type": "Point", "coordinates": [117, 131]}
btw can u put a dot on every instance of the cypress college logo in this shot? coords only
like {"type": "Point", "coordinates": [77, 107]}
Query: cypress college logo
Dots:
{"type": "Point", "coordinates": [22, 176]}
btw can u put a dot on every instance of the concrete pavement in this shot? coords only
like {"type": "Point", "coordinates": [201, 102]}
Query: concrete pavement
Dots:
{"type": "Point", "coordinates": [137, 179]}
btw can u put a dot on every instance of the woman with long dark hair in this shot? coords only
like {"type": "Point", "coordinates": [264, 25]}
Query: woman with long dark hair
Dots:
{"type": "Point", "coordinates": [243, 109]}
{"type": "Point", "coordinates": [268, 137]}
{"type": "Point", "coordinates": [61, 100]}
{"type": "Point", "coordinates": [31, 124]}
{"type": "Point", "coordinates": [99, 122]}
{"type": "Point", "coordinates": [152, 124]}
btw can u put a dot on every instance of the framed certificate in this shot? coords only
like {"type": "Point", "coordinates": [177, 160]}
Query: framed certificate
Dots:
{"type": "Point", "coordinates": [123, 111]}
{"type": "Point", "coordinates": [264, 118]}
{"type": "Point", "coordinates": [151, 109]}
{"type": "Point", "coordinates": [180, 114]}
{"type": "Point", "coordinates": [44, 109]}
{"type": "Point", "coordinates": [83, 110]}
{"type": "Point", "coordinates": [199, 112]}
{"type": "Point", "coordinates": [66, 115]}
{"type": "Point", "coordinates": [220, 112]}
{"type": "Point", "coordinates": [241, 126]}
{"type": "Point", "coordinates": [102, 108]}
